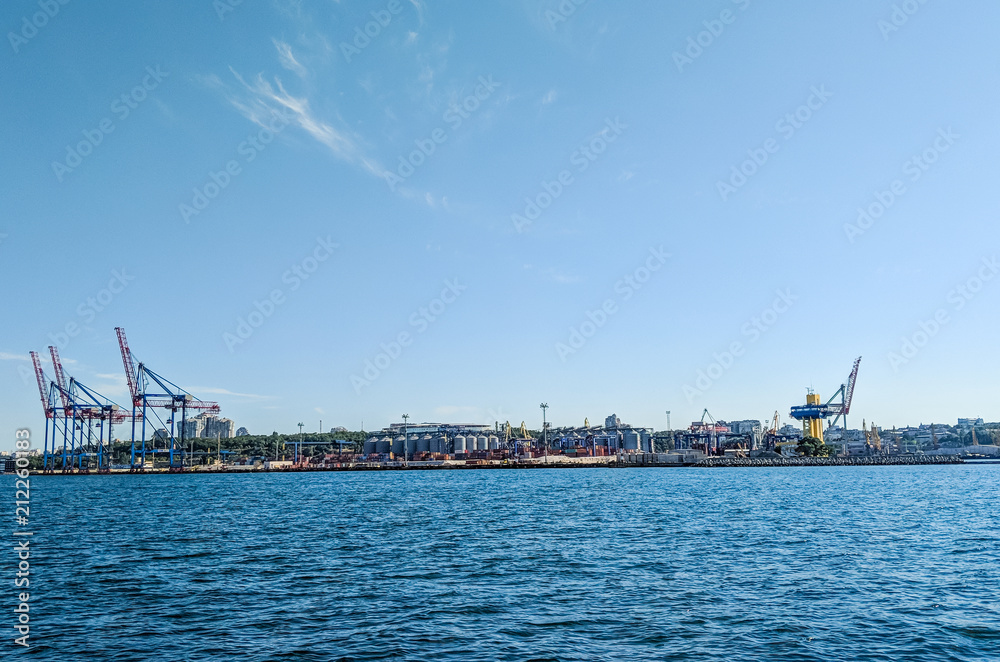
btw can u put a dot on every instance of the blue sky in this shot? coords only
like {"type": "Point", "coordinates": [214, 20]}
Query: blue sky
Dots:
{"type": "Point", "coordinates": [575, 230]}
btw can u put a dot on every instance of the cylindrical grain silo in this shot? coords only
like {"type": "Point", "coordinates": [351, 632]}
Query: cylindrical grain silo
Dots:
{"type": "Point", "coordinates": [459, 443]}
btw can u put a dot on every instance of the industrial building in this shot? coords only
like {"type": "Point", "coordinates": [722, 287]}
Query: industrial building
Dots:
{"type": "Point", "coordinates": [435, 439]}
{"type": "Point", "coordinates": [482, 441]}
{"type": "Point", "coordinates": [614, 437]}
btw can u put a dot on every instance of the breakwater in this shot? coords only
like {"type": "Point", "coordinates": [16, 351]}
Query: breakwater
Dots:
{"type": "Point", "coordinates": [827, 461]}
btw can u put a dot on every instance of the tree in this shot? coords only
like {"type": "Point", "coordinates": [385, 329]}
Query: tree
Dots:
{"type": "Point", "coordinates": [813, 447]}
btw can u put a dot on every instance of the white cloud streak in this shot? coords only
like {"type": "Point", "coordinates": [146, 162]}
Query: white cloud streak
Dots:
{"type": "Point", "coordinates": [287, 58]}
{"type": "Point", "coordinates": [267, 100]}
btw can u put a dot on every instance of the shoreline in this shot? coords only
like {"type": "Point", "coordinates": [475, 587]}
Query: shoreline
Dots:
{"type": "Point", "coordinates": [634, 462]}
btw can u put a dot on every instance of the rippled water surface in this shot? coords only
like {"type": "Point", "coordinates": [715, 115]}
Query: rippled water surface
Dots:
{"type": "Point", "coordinates": [843, 563]}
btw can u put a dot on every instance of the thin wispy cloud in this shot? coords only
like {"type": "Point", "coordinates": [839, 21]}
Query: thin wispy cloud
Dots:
{"type": "Point", "coordinates": [420, 10]}
{"type": "Point", "coordinates": [4, 356]}
{"type": "Point", "coordinates": [214, 390]}
{"type": "Point", "coordinates": [263, 100]}
{"type": "Point", "coordinates": [562, 277]}
{"type": "Point", "coordinates": [7, 356]}
{"type": "Point", "coordinates": [287, 58]}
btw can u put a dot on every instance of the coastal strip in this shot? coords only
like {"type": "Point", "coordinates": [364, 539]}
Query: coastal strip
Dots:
{"type": "Point", "coordinates": [636, 460]}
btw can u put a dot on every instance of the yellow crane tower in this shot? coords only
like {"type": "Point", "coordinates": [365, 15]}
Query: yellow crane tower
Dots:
{"type": "Point", "coordinates": [815, 411]}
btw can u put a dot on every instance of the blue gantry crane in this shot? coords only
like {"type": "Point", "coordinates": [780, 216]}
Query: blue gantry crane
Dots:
{"type": "Point", "coordinates": [151, 391]}
{"type": "Point", "coordinates": [80, 409]}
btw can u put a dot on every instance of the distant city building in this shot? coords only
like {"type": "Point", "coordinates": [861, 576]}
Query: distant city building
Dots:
{"type": "Point", "coordinates": [191, 428]}
{"type": "Point", "coordinates": [969, 422]}
{"type": "Point", "coordinates": [339, 428]}
{"type": "Point", "coordinates": [216, 427]}
{"type": "Point", "coordinates": [205, 426]}
{"type": "Point", "coordinates": [743, 427]}
{"type": "Point", "coordinates": [242, 432]}
{"type": "Point", "coordinates": [790, 430]}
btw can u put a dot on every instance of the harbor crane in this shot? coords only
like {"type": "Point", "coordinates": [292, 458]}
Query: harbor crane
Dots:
{"type": "Point", "coordinates": [86, 406]}
{"type": "Point", "coordinates": [50, 398]}
{"type": "Point", "coordinates": [151, 391]}
{"type": "Point", "coordinates": [713, 440]}
{"type": "Point", "coordinates": [81, 409]}
{"type": "Point", "coordinates": [814, 412]}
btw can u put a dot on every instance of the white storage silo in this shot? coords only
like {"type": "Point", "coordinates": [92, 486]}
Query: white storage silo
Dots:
{"type": "Point", "coordinates": [631, 440]}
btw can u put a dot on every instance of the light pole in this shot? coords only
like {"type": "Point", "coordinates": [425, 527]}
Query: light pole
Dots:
{"type": "Point", "coordinates": [298, 446]}
{"type": "Point", "coordinates": [406, 417]}
{"type": "Point", "coordinates": [545, 430]}
{"type": "Point", "coordinates": [670, 436]}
